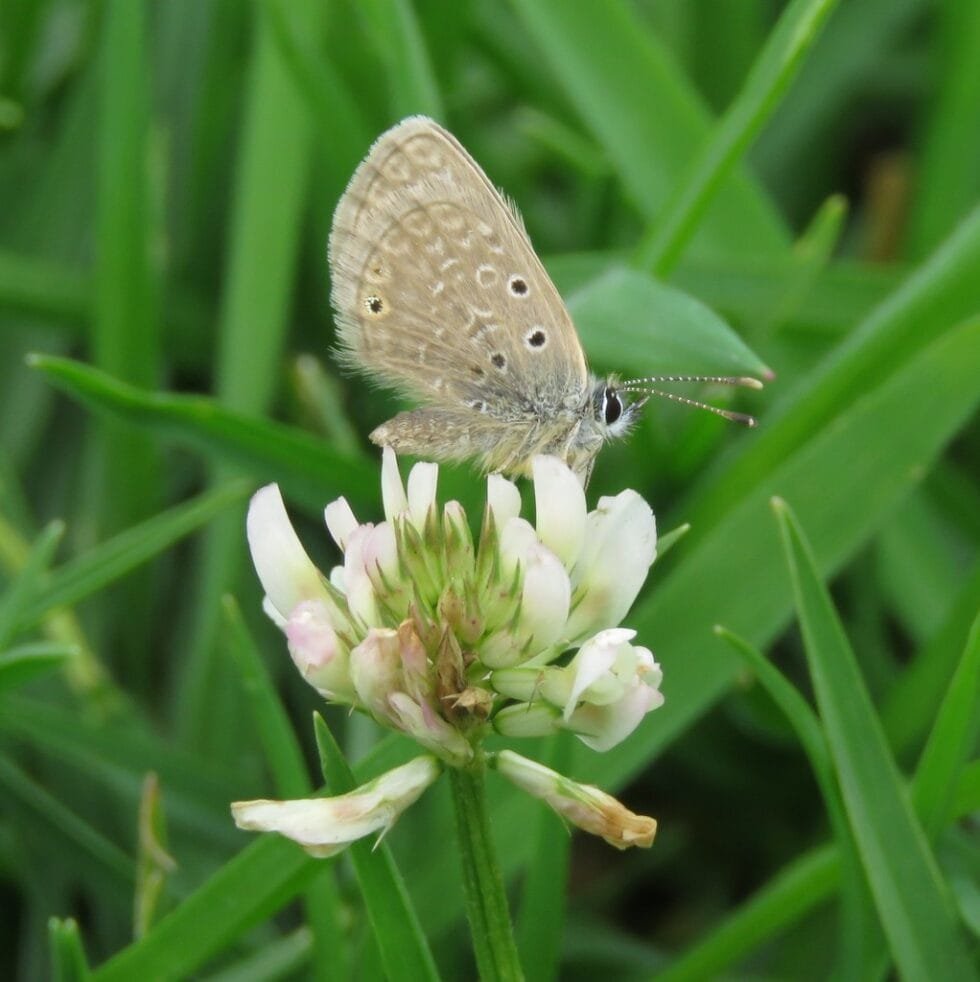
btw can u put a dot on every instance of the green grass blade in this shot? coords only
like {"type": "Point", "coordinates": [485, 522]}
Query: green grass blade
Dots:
{"type": "Point", "coordinates": [308, 469]}
{"type": "Point", "coordinates": [279, 743]}
{"type": "Point", "coordinates": [858, 925]}
{"type": "Point", "coordinates": [912, 902]}
{"type": "Point", "coordinates": [40, 286]}
{"type": "Point", "coordinates": [125, 328]}
{"type": "Point", "coordinates": [943, 291]}
{"type": "Point", "coordinates": [244, 892]}
{"type": "Point", "coordinates": [29, 661]}
{"type": "Point", "coordinates": [910, 706]}
{"type": "Point", "coordinates": [774, 69]}
{"type": "Point", "coordinates": [404, 949]}
{"type": "Point", "coordinates": [811, 252]}
{"type": "Point", "coordinates": [613, 70]}
{"type": "Point", "coordinates": [952, 738]}
{"type": "Point", "coordinates": [27, 583]}
{"type": "Point", "coordinates": [794, 892]}
{"type": "Point", "coordinates": [270, 194]}
{"type": "Point", "coordinates": [68, 962]}
{"type": "Point", "coordinates": [108, 561]}
{"type": "Point", "coordinates": [101, 856]}
{"type": "Point", "coordinates": [541, 915]}
{"type": "Point", "coordinates": [946, 180]}
{"type": "Point", "coordinates": [412, 84]}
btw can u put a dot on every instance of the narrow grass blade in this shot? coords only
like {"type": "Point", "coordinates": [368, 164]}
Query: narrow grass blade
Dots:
{"type": "Point", "coordinates": [613, 70]}
{"type": "Point", "coordinates": [100, 853]}
{"type": "Point", "coordinates": [811, 252]}
{"type": "Point", "coordinates": [541, 915]}
{"type": "Point", "coordinates": [29, 661]}
{"type": "Point", "coordinates": [68, 962]}
{"type": "Point", "coordinates": [246, 891]}
{"type": "Point", "coordinates": [806, 882]}
{"type": "Point", "coordinates": [946, 178]}
{"type": "Point", "coordinates": [28, 581]}
{"type": "Point", "coordinates": [951, 741]}
{"type": "Point", "coordinates": [108, 561]}
{"type": "Point", "coordinates": [404, 949]}
{"type": "Point", "coordinates": [777, 65]}
{"type": "Point", "coordinates": [308, 468]}
{"type": "Point", "coordinates": [912, 901]}
{"type": "Point", "coordinates": [858, 924]}
{"type": "Point", "coordinates": [39, 286]}
{"type": "Point", "coordinates": [411, 80]}
{"type": "Point", "coordinates": [125, 327]}
{"type": "Point", "coordinates": [282, 749]}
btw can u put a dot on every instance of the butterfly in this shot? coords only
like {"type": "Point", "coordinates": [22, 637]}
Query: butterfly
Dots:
{"type": "Point", "coordinates": [439, 294]}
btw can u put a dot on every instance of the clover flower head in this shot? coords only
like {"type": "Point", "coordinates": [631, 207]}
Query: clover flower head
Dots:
{"type": "Point", "coordinates": [446, 636]}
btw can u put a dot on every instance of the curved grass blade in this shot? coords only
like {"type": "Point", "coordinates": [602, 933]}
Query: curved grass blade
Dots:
{"type": "Point", "coordinates": [308, 468]}
{"type": "Point", "coordinates": [912, 900]}
{"type": "Point", "coordinates": [106, 562]}
{"type": "Point", "coordinates": [28, 661]}
{"type": "Point", "coordinates": [404, 949]}
{"type": "Point", "coordinates": [781, 58]}
{"type": "Point", "coordinates": [28, 581]}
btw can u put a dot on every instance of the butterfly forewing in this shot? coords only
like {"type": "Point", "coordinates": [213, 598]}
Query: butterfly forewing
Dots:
{"type": "Point", "coordinates": [438, 290]}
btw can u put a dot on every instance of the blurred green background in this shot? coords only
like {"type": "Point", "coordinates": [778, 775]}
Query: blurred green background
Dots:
{"type": "Point", "coordinates": [168, 172]}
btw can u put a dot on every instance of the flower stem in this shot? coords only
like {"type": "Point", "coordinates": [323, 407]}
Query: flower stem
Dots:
{"type": "Point", "coordinates": [486, 900]}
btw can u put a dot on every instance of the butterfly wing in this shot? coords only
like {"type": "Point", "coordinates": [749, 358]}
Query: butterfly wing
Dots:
{"type": "Point", "coordinates": [438, 292]}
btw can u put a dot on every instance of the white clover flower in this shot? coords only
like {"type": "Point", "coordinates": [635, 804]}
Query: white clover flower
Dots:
{"type": "Point", "coordinates": [446, 638]}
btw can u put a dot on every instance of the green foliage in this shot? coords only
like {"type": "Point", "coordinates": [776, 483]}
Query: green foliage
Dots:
{"type": "Point", "coordinates": [168, 172]}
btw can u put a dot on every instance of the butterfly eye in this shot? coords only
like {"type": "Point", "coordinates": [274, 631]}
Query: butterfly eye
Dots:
{"type": "Point", "coordinates": [612, 406]}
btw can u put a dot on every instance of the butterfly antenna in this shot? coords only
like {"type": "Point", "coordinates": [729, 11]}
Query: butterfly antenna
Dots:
{"type": "Point", "coordinates": [641, 385]}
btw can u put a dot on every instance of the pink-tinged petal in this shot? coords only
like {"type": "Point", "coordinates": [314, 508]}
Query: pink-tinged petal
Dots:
{"type": "Point", "coordinates": [620, 546]}
{"type": "Point", "coordinates": [560, 509]}
{"type": "Point", "coordinates": [422, 481]}
{"type": "Point", "coordinates": [392, 490]}
{"type": "Point", "coordinates": [325, 826]}
{"type": "Point", "coordinates": [286, 572]}
{"type": "Point", "coordinates": [318, 654]}
{"type": "Point", "coordinates": [376, 670]}
{"type": "Point", "coordinates": [581, 804]}
{"type": "Point", "coordinates": [503, 498]}
{"type": "Point", "coordinates": [340, 521]}
{"type": "Point", "coordinates": [432, 731]}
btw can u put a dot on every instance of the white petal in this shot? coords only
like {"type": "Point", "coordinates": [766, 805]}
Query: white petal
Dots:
{"type": "Point", "coordinates": [593, 660]}
{"type": "Point", "coordinates": [517, 538]}
{"type": "Point", "coordinates": [392, 491]}
{"type": "Point", "coordinates": [602, 727]}
{"type": "Point", "coordinates": [560, 510]}
{"type": "Point", "coordinates": [422, 481]}
{"type": "Point", "coordinates": [324, 826]}
{"type": "Point", "coordinates": [285, 570]}
{"type": "Point", "coordinates": [620, 545]}
{"type": "Point", "coordinates": [503, 498]}
{"type": "Point", "coordinates": [340, 521]}
{"type": "Point", "coordinates": [545, 598]}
